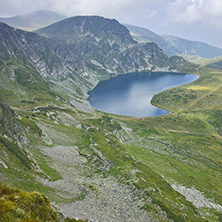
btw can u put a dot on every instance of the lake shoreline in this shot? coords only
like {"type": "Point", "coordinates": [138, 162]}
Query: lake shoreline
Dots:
{"type": "Point", "coordinates": [131, 94]}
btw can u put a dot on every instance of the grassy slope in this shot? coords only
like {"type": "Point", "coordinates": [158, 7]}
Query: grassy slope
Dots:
{"type": "Point", "coordinates": [22, 88]}
{"type": "Point", "coordinates": [16, 205]}
{"type": "Point", "coordinates": [214, 63]}
{"type": "Point", "coordinates": [182, 148]}
{"type": "Point", "coordinates": [21, 85]}
{"type": "Point", "coordinates": [194, 129]}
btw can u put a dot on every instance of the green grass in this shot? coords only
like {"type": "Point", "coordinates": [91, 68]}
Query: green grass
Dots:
{"type": "Point", "coordinates": [16, 151]}
{"type": "Point", "coordinates": [181, 148]}
{"type": "Point", "coordinates": [16, 205]}
{"type": "Point", "coordinates": [210, 63]}
{"type": "Point", "coordinates": [145, 178]}
{"type": "Point", "coordinates": [25, 88]}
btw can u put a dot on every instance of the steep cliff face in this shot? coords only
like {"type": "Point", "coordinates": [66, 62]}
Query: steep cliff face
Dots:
{"type": "Point", "coordinates": [107, 44]}
{"type": "Point", "coordinates": [33, 49]}
{"type": "Point", "coordinates": [13, 142]}
{"type": "Point", "coordinates": [9, 43]}
{"type": "Point", "coordinates": [148, 56]}
{"type": "Point", "coordinates": [49, 60]}
{"type": "Point", "coordinates": [9, 126]}
{"type": "Point", "coordinates": [97, 39]}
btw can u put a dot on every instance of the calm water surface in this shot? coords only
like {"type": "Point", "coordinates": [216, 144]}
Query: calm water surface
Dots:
{"type": "Point", "coordinates": [131, 94]}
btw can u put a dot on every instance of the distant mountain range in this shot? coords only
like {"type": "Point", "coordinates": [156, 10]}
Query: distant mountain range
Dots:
{"type": "Point", "coordinates": [143, 35]}
{"type": "Point", "coordinates": [34, 20]}
{"type": "Point", "coordinates": [171, 45]}
{"type": "Point", "coordinates": [193, 47]}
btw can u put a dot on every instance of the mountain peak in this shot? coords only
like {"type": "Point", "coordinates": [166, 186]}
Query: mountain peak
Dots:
{"type": "Point", "coordinates": [75, 28]}
{"type": "Point", "coordinates": [2, 24]}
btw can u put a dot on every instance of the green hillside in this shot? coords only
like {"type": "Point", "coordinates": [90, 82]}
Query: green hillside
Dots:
{"type": "Point", "coordinates": [143, 35]}
{"type": "Point", "coordinates": [99, 166]}
{"type": "Point", "coordinates": [152, 156]}
{"type": "Point", "coordinates": [214, 63]}
{"type": "Point", "coordinates": [173, 45]}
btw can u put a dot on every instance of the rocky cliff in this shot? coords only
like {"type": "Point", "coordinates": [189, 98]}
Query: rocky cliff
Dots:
{"type": "Point", "coordinates": [75, 54]}
{"type": "Point", "coordinates": [106, 43]}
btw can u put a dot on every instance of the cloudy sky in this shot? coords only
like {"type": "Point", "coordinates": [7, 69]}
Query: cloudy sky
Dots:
{"type": "Point", "coordinates": [199, 20]}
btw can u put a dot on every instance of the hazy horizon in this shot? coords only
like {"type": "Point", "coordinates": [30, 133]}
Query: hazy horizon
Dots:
{"type": "Point", "coordinates": [196, 20]}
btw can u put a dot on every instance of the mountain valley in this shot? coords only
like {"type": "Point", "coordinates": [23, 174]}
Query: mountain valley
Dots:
{"type": "Point", "coordinates": [98, 166]}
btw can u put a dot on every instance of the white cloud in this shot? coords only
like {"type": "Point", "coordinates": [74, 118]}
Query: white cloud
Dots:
{"type": "Point", "coordinates": [214, 8]}
{"type": "Point", "coordinates": [100, 7]}
{"type": "Point", "coordinates": [148, 14]}
{"type": "Point", "coordinates": [152, 14]}
{"type": "Point", "coordinates": [164, 24]}
{"type": "Point", "coordinates": [72, 7]}
{"type": "Point", "coordinates": [184, 11]}
{"type": "Point", "coordinates": [207, 12]}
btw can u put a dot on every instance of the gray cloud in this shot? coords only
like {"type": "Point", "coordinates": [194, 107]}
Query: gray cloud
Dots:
{"type": "Point", "coordinates": [194, 11]}
{"type": "Point", "coordinates": [71, 7]}
{"type": "Point", "coordinates": [184, 11]}
{"type": "Point", "coordinates": [11, 7]}
{"type": "Point", "coordinates": [107, 8]}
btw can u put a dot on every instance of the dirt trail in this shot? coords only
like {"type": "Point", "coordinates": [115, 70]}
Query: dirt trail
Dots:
{"type": "Point", "coordinates": [199, 98]}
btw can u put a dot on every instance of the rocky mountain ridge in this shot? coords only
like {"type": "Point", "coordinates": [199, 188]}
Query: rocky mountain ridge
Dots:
{"type": "Point", "coordinates": [143, 35]}
{"type": "Point", "coordinates": [189, 47]}
{"type": "Point", "coordinates": [94, 48]}
{"type": "Point", "coordinates": [106, 41]}
{"type": "Point", "coordinates": [75, 29]}
{"type": "Point", "coordinates": [173, 45]}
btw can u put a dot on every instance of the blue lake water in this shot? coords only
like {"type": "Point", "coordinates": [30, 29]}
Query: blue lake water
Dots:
{"type": "Point", "coordinates": [130, 94]}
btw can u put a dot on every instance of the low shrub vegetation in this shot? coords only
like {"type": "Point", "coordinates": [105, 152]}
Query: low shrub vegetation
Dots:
{"type": "Point", "coordinates": [16, 205]}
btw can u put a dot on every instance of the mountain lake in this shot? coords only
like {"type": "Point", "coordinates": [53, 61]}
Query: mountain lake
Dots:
{"type": "Point", "coordinates": [131, 94]}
